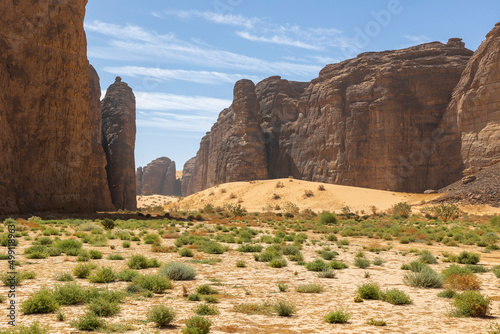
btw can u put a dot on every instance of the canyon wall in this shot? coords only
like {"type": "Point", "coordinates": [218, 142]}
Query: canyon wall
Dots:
{"type": "Point", "coordinates": [50, 156]}
{"type": "Point", "coordinates": [371, 121]}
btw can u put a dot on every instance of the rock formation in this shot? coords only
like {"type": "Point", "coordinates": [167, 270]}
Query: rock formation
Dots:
{"type": "Point", "coordinates": [118, 129]}
{"type": "Point", "coordinates": [471, 125]}
{"type": "Point", "coordinates": [366, 122]}
{"type": "Point", "coordinates": [158, 178]}
{"type": "Point", "coordinates": [49, 153]}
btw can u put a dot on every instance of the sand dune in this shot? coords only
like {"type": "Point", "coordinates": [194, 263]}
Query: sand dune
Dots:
{"type": "Point", "coordinates": [256, 195]}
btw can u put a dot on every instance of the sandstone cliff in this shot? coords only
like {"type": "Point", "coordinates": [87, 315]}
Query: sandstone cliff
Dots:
{"type": "Point", "coordinates": [49, 153]}
{"type": "Point", "coordinates": [366, 122]}
{"type": "Point", "coordinates": [471, 125]}
{"type": "Point", "coordinates": [118, 129]}
{"type": "Point", "coordinates": [158, 178]}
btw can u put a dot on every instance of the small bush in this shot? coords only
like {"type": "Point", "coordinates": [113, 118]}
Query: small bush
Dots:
{"type": "Point", "coordinates": [278, 263]}
{"type": "Point", "coordinates": [194, 297]}
{"type": "Point", "coordinates": [69, 294]}
{"type": "Point", "coordinates": [339, 316]}
{"type": "Point", "coordinates": [213, 247]}
{"type": "Point", "coordinates": [83, 256]}
{"type": "Point", "coordinates": [250, 248]}
{"type": "Point", "coordinates": [369, 291]}
{"type": "Point", "coordinates": [161, 315]}
{"type": "Point", "coordinates": [310, 288]}
{"type": "Point", "coordinates": [336, 264]}
{"type": "Point", "coordinates": [211, 299]}
{"type": "Point", "coordinates": [396, 297]}
{"type": "Point", "coordinates": [462, 282]}
{"type": "Point", "coordinates": [468, 258]}
{"type": "Point", "coordinates": [240, 264]}
{"type": "Point", "coordinates": [361, 263]}
{"type": "Point", "coordinates": [327, 273]}
{"type": "Point", "coordinates": [427, 257]}
{"type": "Point", "coordinates": [83, 270]}
{"type": "Point", "coordinates": [471, 304]}
{"type": "Point", "coordinates": [33, 328]}
{"type": "Point", "coordinates": [103, 275]}
{"type": "Point", "coordinates": [153, 283]}
{"type": "Point", "coordinates": [108, 224]}
{"type": "Point", "coordinates": [63, 277]}
{"type": "Point", "coordinates": [104, 308]}
{"type": "Point", "coordinates": [115, 257]}
{"type": "Point", "coordinates": [206, 290]}
{"type": "Point", "coordinates": [374, 322]}
{"type": "Point", "coordinates": [178, 271]}
{"type": "Point", "coordinates": [126, 244]}
{"type": "Point", "coordinates": [205, 309]}
{"type": "Point", "coordinates": [89, 322]}
{"type": "Point", "coordinates": [426, 278]}
{"type": "Point", "coordinates": [401, 209]}
{"type": "Point", "coordinates": [186, 252]}
{"type": "Point", "coordinates": [284, 308]}
{"type": "Point", "coordinates": [42, 301]}
{"type": "Point", "coordinates": [316, 265]}
{"type": "Point", "coordinates": [448, 293]}
{"type": "Point", "coordinates": [95, 254]}
{"type": "Point", "coordinates": [69, 246]}
{"type": "Point", "coordinates": [197, 325]}
{"type": "Point", "coordinates": [282, 287]}
{"type": "Point", "coordinates": [327, 218]}
{"type": "Point", "coordinates": [138, 262]}
{"type": "Point", "coordinates": [127, 275]}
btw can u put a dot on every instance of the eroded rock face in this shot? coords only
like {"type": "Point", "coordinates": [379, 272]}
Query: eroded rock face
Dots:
{"type": "Point", "coordinates": [157, 178]}
{"type": "Point", "coordinates": [118, 129]}
{"type": "Point", "coordinates": [472, 121]}
{"type": "Point", "coordinates": [48, 156]}
{"type": "Point", "coordinates": [367, 122]}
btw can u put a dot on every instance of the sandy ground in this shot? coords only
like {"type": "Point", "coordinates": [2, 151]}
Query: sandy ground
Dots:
{"type": "Point", "coordinates": [256, 195]}
{"type": "Point", "coordinates": [154, 200]}
{"type": "Point", "coordinates": [258, 283]}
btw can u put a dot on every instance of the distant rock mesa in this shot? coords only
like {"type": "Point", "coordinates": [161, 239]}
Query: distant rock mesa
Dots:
{"type": "Point", "coordinates": [158, 178]}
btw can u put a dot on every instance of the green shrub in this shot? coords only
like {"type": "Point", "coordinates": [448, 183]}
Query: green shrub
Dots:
{"type": "Point", "coordinates": [211, 299]}
{"type": "Point", "coordinates": [153, 283]}
{"type": "Point", "coordinates": [102, 275]}
{"type": "Point", "coordinates": [282, 287]}
{"type": "Point", "coordinates": [206, 289]}
{"type": "Point", "coordinates": [284, 308]}
{"type": "Point", "coordinates": [448, 293]}
{"type": "Point", "coordinates": [327, 273]}
{"type": "Point", "coordinates": [277, 263]}
{"type": "Point", "coordinates": [468, 258]}
{"type": "Point", "coordinates": [37, 252]}
{"type": "Point", "coordinates": [161, 315]}
{"type": "Point", "coordinates": [103, 307]}
{"type": "Point", "coordinates": [69, 294]}
{"type": "Point", "coordinates": [378, 261]}
{"type": "Point", "coordinates": [213, 247]}
{"type": "Point", "coordinates": [476, 268]}
{"type": "Point", "coordinates": [33, 328]}
{"type": "Point", "coordinates": [309, 288]}
{"type": "Point", "coordinates": [83, 270]}
{"type": "Point", "coordinates": [249, 248]}
{"type": "Point", "coordinates": [138, 262]}
{"type": "Point", "coordinates": [456, 270]}
{"type": "Point", "coordinates": [95, 254]}
{"type": "Point", "coordinates": [426, 278]}
{"type": "Point", "coordinates": [89, 322]}
{"type": "Point", "coordinates": [83, 256]}
{"type": "Point", "coordinates": [369, 291]}
{"type": "Point", "coordinates": [496, 271]}
{"type": "Point", "coordinates": [28, 275]}
{"type": "Point", "coordinates": [427, 257]}
{"type": "Point", "coordinates": [336, 264]}
{"type": "Point", "coordinates": [194, 297]}
{"type": "Point", "coordinates": [374, 322]}
{"type": "Point", "coordinates": [127, 275]}
{"type": "Point", "coordinates": [197, 325]}
{"type": "Point", "coordinates": [154, 263]}
{"type": "Point", "coordinates": [339, 316]}
{"type": "Point", "coordinates": [114, 296]}
{"type": "Point", "coordinates": [108, 224]}
{"type": "Point", "coordinates": [361, 263]}
{"type": "Point", "coordinates": [186, 252]}
{"type": "Point", "coordinates": [115, 257]}
{"type": "Point", "coordinates": [316, 265]}
{"type": "Point", "coordinates": [327, 218]}
{"type": "Point", "coordinates": [401, 209]}
{"type": "Point", "coordinates": [42, 301]}
{"type": "Point", "coordinates": [11, 279]}
{"type": "Point", "coordinates": [205, 309]}
{"type": "Point", "coordinates": [178, 271]}
{"type": "Point", "coordinates": [396, 297]}
{"type": "Point", "coordinates": [64, 277]}
{"type": "Point", "coordinates": [126, 244]}
{"type": "Point", "coordinates": [328, 255]}
{"type": "Point", "coordinates": [471, 304]}
{"type": "Point", "coordinates": [240, 264]}
{"type": "Point", "coordinates": [69, 246]}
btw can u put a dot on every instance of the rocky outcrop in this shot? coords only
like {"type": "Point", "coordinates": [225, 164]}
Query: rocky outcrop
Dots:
{"type": "Point", "coordinates": [49, 153]}
{"type": "Point", "coordinates": [158, 178]}
{"type": "Point", "coordinates": [118, 129]}
{"type": "Point", "coordinates": [367, 122]}
{"type": "Point", "coordinates": [471, 126]}
{"type": "Point", "coordinates": [101, 193]}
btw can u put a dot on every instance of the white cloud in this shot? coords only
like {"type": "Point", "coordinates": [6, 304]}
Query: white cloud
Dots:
{"type": "Point", "coordinates": [143, 43]}
{"type": "Point", "coordinates": [203, 77]}
{"type": "Point", "coordinates": [163, 101]}
{"type": "Point", "coordinates": [214, 17]}
{"type": "Point", "coordinates": [280, 40]}
{"type": "Point", "coordinates": [417, 39]}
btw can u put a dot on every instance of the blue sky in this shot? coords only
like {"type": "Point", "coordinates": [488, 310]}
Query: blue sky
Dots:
{"type": "Point", "coordinates": [182, 58]}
